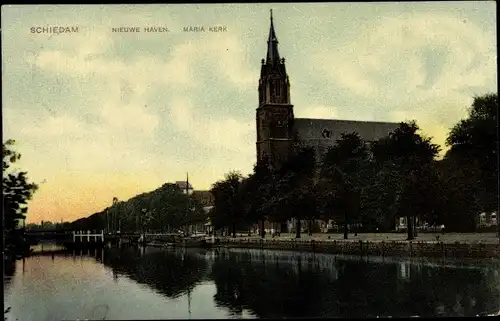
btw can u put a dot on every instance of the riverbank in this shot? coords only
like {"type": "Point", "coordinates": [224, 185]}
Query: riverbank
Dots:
{"type": "Point", "coordinates": [380, 248]}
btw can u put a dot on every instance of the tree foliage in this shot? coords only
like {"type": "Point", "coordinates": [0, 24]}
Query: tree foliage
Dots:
{"type": "Point", "coordinates": [164, 209]}
{"type": "Point", "coordinates": [354, 184]}
{"type": "Point", "coordinates": [410, 156]}
{"type": "Point", "coordinates": [470, 167]}
{"type": "Point", "coordinates": [229, 208]}
{"type": "Point", "coordinates": [17, 191]}
{"type": "Point", "coordinates": [343, 175]}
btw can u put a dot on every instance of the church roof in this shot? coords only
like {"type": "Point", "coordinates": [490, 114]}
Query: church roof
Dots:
{"type": "Point", "coordinates": [331, 129]}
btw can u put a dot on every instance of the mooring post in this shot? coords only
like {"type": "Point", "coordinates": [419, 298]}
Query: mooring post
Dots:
{"type": "Point", "coordinates": [102, 236]}
{"type": "Point", "coordinates": [88, 236]}
{"type": "Point", "coordinates": [74, 237]}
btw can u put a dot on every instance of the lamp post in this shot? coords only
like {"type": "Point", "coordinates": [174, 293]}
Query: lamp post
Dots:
{"type": "Point", "coordinates": [344, 194]}
{"type": "Point", "coordinates": [107, 220]}
{"type": "Point", "coordinates": [142, 220]}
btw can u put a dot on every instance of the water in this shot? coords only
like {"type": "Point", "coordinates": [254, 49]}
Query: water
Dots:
{"type": "Point", "coordinates": [153, 283]}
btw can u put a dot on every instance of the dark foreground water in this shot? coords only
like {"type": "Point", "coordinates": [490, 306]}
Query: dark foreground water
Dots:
{"type": "Point", "coordinates": [152, 283]}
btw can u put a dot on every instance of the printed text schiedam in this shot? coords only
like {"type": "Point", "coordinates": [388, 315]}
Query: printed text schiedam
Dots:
{"type": "Point", "coordinates": [55, 29]}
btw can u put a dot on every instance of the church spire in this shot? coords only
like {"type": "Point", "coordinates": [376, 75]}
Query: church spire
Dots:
{"type": "Point", "coordinates": [273, 57]}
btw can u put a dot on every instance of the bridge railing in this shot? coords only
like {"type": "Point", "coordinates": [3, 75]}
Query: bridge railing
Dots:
{"type": "Point", "coordinates": [86, 235]}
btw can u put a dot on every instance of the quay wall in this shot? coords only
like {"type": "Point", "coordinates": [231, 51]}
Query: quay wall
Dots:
{"type": "Point", "coordinates": [391, 248]}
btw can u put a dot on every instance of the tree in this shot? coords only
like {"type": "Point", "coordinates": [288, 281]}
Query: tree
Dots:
{"type": "Point", "coordinates": [343, 178]}
{"type": "Point", "coordinates": [295, 190]}
{"type": "Point", "coordinates": [410, 154]}
{"type": "Point", "coordinates": [17, 191]}
{"type": "Point", "coordinates": [458, 203]}
{"type": "Point", "coordinates": [258, 195]}
{"type": "Point", "coordinates": [380, 196]}
{"type": "Point", "coordinates": [228, 202]}
{"type": "Point", "coordinates": [164, 208]}
{"type": "Point", "coordinates": [473, 148]}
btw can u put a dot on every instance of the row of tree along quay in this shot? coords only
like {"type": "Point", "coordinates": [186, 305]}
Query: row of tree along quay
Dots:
{"type": "Point", "coordinates": [164, 210]}
{"type": "Point", "coordinates": [360, 185]}
{"type": "Point", "coordinates": [354, 184]}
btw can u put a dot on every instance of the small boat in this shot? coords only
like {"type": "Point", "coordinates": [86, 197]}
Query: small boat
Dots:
{"type": "Point", "coordinates": [177, 240]}
{"type": "Point", "coordinates": [195, 240]}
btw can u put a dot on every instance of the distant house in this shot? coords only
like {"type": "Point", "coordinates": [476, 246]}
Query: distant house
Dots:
{"type": "Point", "coordinates": [487, 219]}
{"type": "Point", "coordinates": [182, 185]}
{"type": "Point", "coordinates": [206, 200]}
{"type": "Point", "coordinates": [402, 223]}
{"type": "Point", "coordinates": [204, 197]}
{"type": "Point", "coordinates": [208, 224]}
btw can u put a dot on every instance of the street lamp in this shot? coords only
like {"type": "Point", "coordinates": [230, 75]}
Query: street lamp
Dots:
{"type": "Point", "coordinates": [142, 220]}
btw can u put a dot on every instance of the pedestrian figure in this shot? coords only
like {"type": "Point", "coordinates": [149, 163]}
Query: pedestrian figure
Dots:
{"type": "Point", "coordinates": [442, 229]}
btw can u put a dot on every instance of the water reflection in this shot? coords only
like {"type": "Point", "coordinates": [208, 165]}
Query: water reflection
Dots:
{"type": "Point", "coordinates": [275, 284]}
{"type": "Point", "coordinates": [157, 283]}
{"type": "Point", "coordinates": [9, 270]}
{"type": "Point", "coordinates": [172, 273]}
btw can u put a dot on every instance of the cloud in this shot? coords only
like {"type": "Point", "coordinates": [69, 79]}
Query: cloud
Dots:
{"type": "Point", "coordinates": [421, 66]}
{"type": "Point", "coordinates": [396, 56]}
{"type": "Point", "coordinates": [227, 133]}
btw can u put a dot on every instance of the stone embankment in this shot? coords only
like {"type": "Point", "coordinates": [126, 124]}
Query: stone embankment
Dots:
{"type": "Point", "coordinates": [390, 248]}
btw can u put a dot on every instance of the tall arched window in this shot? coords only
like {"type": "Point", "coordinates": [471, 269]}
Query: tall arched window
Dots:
{"type": "Point", "coordinates": [278, 88]}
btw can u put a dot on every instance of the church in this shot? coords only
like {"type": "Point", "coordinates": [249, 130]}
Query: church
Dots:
{"type": "Point", "coordinates": [278, 131]}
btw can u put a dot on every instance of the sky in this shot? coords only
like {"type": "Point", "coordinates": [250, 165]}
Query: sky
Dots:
{"type": "Point", "coordinates": [98, 114]}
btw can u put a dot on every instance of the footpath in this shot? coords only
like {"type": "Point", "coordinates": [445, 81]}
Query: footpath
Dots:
{"type": "Point", "coordinates": [457, 245]}
{"type": "Point", "coordinates": [468, 238]}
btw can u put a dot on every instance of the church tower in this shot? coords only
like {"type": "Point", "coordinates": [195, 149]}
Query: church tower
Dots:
{"type": "Point", "coordinates": [275, 112]}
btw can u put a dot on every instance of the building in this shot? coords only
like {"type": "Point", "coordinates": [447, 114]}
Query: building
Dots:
{"type": "Point", "coordinates": [278, 131]}
{"type": "Point", "coordinates": [487, 219]}
{"type": "Point", "coordinates": [185, 187]}
{"type": "Point", "coordinates": [204, 197]}
{"type": "Point", "coordinates": [207, 201]}
{"type": "Point", "coordinates": [401, 224]}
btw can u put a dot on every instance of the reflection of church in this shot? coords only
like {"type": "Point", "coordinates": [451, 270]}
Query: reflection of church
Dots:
{"type": "Point", "coordinates": [277, 128]}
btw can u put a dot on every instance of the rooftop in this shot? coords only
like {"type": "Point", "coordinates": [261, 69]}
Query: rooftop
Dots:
{"type": "Point", "coordinates": [314, 129]}
{"type": "Point", "coordinates": [182, 185]}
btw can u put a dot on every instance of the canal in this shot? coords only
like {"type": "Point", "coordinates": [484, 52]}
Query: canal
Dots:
{"type": "Point", "coordinates": [151, 283]}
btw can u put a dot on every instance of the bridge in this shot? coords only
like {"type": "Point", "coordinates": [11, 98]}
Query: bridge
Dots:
{"type": "Point", "coordinates": [87, 238]}
{"type": "Point", "coordinates": [71, 238]}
